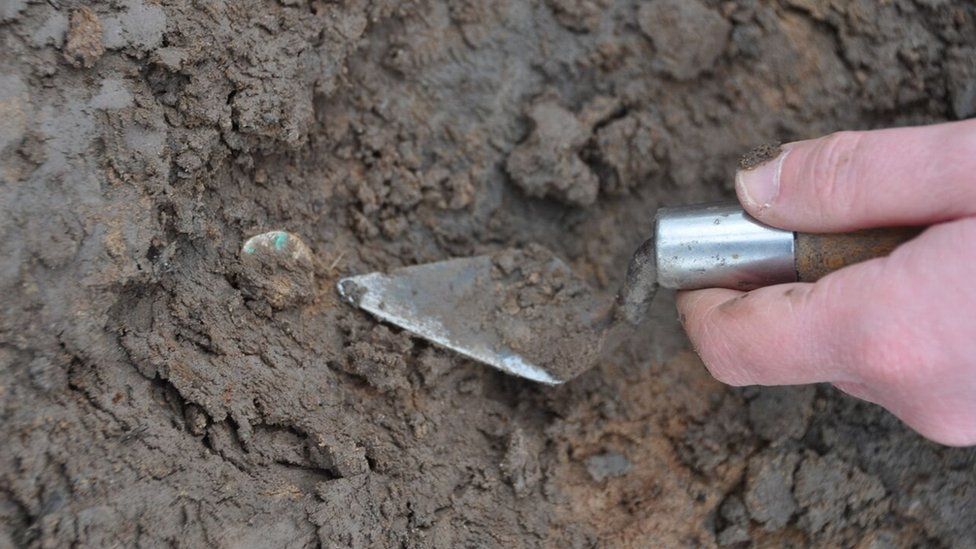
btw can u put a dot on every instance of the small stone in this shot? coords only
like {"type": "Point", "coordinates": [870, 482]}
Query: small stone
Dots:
{"type": "Point", "coordinates": [196, 420]}
{"type": "Point", "coordinates": [277, 267]}
{"type": "Point", "coordinates": [84, 40]}
{"type": "Point", "coordinates": [606, 465]}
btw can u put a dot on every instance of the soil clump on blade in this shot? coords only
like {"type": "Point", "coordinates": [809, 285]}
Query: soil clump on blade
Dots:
{"type": "Point", "coordinates": [545, 313]}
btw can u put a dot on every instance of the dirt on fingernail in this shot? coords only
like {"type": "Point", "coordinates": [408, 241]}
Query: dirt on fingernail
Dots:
{"type": "Point", "coordinates": [759, 156]}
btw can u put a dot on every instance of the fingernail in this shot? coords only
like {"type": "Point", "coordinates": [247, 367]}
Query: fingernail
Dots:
{"type": "Point", "coordinates": [758, 187]}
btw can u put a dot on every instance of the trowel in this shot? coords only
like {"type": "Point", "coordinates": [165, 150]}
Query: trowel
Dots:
{"type": "Point", "coordinates": [523, 311]}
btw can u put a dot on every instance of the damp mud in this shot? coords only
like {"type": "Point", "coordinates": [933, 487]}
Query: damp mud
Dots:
{"type": "Point", "coordinates": [161, 385]}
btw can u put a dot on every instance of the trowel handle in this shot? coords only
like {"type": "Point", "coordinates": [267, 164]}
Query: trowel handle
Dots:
{"type": "Point", "coordinates": [818, 255]}
{"type": "Point", "coordinates": [721, 246]}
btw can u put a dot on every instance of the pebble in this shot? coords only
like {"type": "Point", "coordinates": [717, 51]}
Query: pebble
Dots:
{"type": "Point", "coordinates": [277, 267]}
{"type": "Point", "coordinates": [606, 465]}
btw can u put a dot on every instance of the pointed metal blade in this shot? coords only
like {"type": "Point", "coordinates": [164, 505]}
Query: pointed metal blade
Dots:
{"type": "Point", "coordinates": [487, 308]}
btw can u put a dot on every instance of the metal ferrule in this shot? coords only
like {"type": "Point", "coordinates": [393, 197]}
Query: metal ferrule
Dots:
{"type": "Point", "coordinates": [720, 246]}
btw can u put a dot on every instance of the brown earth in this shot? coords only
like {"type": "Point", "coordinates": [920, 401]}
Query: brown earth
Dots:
{"type": "Point", "coordinates": [161, 386]}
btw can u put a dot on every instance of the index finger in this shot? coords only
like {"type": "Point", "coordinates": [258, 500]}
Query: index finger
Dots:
{"type": "Point", "coordinates": [781, 335]}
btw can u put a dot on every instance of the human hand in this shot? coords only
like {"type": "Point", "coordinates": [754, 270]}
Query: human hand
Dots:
{"type": "Point", "coordinates": [899, 331]}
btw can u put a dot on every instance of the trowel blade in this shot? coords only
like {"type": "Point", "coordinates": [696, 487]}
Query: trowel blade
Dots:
{"type": "Point", "coordinates": [471, 305]}
{"type": "Point", "coordinates": [442, 302]}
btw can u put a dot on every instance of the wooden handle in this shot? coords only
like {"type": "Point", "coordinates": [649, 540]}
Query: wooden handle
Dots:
{"type": "Point", "coordinates": [818, 255]}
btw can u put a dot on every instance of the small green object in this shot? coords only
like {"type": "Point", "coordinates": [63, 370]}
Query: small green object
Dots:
{"type": "Point", "coordinates": [281, 239]}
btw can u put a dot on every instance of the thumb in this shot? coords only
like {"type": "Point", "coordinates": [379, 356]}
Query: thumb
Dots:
{"type": "Point", "coordinates": [857, 180]}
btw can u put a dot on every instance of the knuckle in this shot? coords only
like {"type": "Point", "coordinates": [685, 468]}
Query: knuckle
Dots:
{"type": "Point", "coordinates": [834, 171]}
{"type": "Point", "coordinates": [879, 352]}
{"type": "Point", "coordinates": [872, 336]}
{"type": "Point", "coordinates": [891, 353]}
{"type": "Point", "coordinates": [875, 360]}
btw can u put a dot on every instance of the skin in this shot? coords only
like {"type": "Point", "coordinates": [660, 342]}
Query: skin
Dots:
{"type": "Point", "coordinates": [899, 331]}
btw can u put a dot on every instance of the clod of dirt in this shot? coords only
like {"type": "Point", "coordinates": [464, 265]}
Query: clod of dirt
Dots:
{"type": "Point", "coordinates": [277, 267]}
{"type": "Point", "coordinates": [84, 40]}
{"type": "Point", "coordinates": [607, 465]}
{"type": "Point", "coordinates": [627, 147]}
{"type": "Point", "coordinates": [759, 156]}
{"type": "Point", "coordinates": [769, 487]}
{"type": "Point", "coordinates": [688, 36]}
{"type": "Point", "coordinates": [547, 164]}
{"type": "Point", "coordinates": [521, 464]}
{"type": "Point", "coordinates": [832, 492]}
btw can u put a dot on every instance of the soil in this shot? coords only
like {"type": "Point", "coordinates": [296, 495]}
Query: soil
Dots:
{"type": "Point", "coordinates": [160, 386]}
{"type": "Point", "coordinates": [759, 156]}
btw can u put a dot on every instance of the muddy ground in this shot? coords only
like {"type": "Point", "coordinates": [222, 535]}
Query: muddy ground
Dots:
{"type": "Point", "coordinates": [163, 385]}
